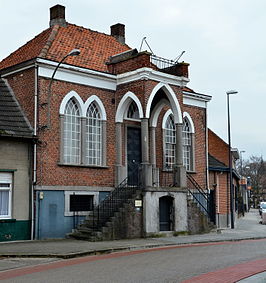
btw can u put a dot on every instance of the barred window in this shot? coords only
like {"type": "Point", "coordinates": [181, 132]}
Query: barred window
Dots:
{"type": "Point", "coordinates": [187, 145]}
{"type": "Point", "coordinates": [72, 133]}
{"type": "Point", "coordinates": [93, 136]}
{"type": "Point", "coordinates": [170, 142]}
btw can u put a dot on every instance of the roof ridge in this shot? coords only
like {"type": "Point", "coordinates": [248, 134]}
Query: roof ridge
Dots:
{"type": "Point", "coordinates": [22, 46]}
{"type": "Point", "coordinates": [52, 36]}
{"type": "Point", "coordinates": [99, 32]}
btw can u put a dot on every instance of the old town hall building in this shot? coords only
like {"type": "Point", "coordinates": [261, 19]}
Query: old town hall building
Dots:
{"type": "Point", "coordinates": [120, 139]}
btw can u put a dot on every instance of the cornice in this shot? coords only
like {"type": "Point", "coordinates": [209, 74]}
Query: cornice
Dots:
{"type": "Point", "coordinates": [150, 74]}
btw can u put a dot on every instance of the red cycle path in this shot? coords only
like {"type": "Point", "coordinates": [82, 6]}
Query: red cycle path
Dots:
{"type": "Point", "coordinates": [226, 275]}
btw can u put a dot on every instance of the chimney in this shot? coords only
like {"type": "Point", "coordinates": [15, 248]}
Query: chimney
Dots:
{"type": "Point", "coordinates": [57, 16]}
{"type": "Point", "coordinates": [118, 31]}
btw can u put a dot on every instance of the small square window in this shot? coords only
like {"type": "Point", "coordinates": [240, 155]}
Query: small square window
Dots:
{"type": "Point", "coordinates": [81, 203]}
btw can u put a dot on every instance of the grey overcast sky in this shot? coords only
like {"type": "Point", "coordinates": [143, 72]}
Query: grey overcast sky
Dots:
{"type": "Point", "coordinates": [224, 40]}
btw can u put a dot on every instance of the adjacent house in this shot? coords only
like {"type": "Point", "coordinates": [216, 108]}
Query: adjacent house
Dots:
{"type": "Point", "coordinates": [219, 179]}
{"type": "Point", "coordinates": [119, 133]}
{"type": "Point", "coordinates": [16, 145]}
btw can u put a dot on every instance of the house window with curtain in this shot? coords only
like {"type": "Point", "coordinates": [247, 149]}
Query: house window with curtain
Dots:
{"type": "Point", "coordinates": [72, 133]}
{"type": "Point", "coordinates": [170, 143]}
{"type": "Point", "coordinates": [5, 195]}
{"type": "Point", "coordinates": [187, 145]}
{"type": "Point", "coordinates": [93, 136]}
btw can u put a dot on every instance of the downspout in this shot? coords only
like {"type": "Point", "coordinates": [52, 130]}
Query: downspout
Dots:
{"type": "Point", "coordinates": [34, 148]}
{"type": "Point", "coordinates": [207, 150]}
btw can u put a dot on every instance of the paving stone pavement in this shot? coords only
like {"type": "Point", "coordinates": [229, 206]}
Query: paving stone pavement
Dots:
{"type": "Point", "coordinates": [247, 227]}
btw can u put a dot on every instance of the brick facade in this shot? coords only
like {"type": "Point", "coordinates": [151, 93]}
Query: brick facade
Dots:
{"type": "Point", "coordinates": [87, 78]}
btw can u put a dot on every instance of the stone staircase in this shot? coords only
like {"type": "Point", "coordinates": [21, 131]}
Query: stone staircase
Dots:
{"type": "Point", "coordinates": [198, 204]}
{"type": "Point", "coordinates": [115, 217]}
{"type": "Point", "coordinates": [198, 222]}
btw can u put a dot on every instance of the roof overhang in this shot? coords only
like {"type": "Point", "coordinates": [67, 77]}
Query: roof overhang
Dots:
{"type": "Point", "coordinates": [196, 99]}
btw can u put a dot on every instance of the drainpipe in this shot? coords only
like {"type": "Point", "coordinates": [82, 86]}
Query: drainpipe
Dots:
{"type": "Point", "coordinates": [207, 148]}
{"type": "Point", "coordinates": [35, 147]}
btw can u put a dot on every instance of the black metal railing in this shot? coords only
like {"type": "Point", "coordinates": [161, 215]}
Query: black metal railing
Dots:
{"type": "Point", "coordinates": [115, 200]}
{"type": "Point", "coordinates": [162, 63]}
{"type": "Point", "coordinates": [200, 196]}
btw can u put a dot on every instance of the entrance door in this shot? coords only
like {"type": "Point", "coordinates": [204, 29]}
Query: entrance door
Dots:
{"type": "Point", "coordinates": [166, 213]}
{"type": "Point", "coordinates": [212, 207]}
{"type": "Point", "coordinates": [133, 155]}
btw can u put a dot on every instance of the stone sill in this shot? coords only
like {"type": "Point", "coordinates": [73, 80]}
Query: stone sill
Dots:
{"type": "Point", "coordinates": [83, 166]}
{"type": "Point", "coordinates": [165, 189]}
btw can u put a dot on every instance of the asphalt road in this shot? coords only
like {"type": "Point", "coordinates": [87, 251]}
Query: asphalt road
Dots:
{"type": "Point", "coordinates": [160, 265]}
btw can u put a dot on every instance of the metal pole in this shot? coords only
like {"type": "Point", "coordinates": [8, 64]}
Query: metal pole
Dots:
{"type": "Point", "coordinates": [74, 52]}
{"type": "Point", "coordinates": [230, 162]}
{"type": "Point", "coordinates": [230, 167]}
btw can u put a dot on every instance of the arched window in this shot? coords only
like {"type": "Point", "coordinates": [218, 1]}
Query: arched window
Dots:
{"type": "Point", "coordinates": [187, 145]}
{"type": "Point", "coordinates": [133, 112]}
{"type": "Point", "coordinates": [83, 131]}
{"type": "Point", "coordinates": [72, 133]}
{"type": "Point", "coordinates": [93, 154]}
{"type": "Point", "coordinates": [170, 142]}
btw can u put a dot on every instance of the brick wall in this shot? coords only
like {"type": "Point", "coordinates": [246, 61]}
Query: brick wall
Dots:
{"type": "Point", "coordinates": [217, 147]}
{"type": "Point", "coordinates": [219, 182]}
{"type": "Point", "coordinates": [22, 84]}
{"type": "Point", "coordinates": [50, 172]}
{"type": "Point", "coordinates": [198, 116]}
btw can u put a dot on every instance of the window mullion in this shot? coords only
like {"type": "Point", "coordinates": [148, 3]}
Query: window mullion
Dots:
{"type": "Point", "coordinates": [83, 148]}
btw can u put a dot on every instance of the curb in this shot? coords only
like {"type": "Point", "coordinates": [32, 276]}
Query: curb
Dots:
{"type": "Point", "coordinates": [119, 249]}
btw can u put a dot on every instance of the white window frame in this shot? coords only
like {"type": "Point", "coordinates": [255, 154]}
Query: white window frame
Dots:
{"type": "Point", "coordinates": [68, 119]}
{"type": "Point", "coordinates": [94, 132]}
{"type": "Point", "coordinates": [126, 112]}
{"type": "Point", "coordinates": [191, 166]}
{"type": "Point", "coordinates": [67, 202]}
{"type": "Point", "coordinates": [171, 145]}
{"type": "Point", "coordinates": [6, 178]}
{"type": "Point", "coordinates": [83, 108]}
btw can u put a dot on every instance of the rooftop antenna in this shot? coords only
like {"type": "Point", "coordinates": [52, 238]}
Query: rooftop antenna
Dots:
{"type": "Point", "coordinates": [178, 57]}
{"type": "Point", "coordinates": [144, 40]}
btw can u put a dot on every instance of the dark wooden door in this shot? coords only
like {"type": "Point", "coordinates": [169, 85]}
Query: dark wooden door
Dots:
{"type": "Point", "coordinates": [212, 206]}
{"type": "Point", "coordinates": [133, 155]}
{"type": "Point", "coordinates": [166, 213]}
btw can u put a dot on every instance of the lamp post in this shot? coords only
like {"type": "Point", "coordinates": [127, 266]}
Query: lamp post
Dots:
{"type": "Point", "coordinates": [241, 162]}
{"type": "Point", "coordinates": [230, 160]}
{"type": "Point", "coordinates": [74, 52]}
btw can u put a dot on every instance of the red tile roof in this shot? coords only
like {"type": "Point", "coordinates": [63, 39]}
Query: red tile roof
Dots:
{"type": "Point", "coordinates": [55, 42]}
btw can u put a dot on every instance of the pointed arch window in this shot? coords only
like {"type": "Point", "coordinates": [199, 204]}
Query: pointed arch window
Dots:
{"type": "Point", "coordinates": [170, 142]}
{"type": "Point", "coordinates": [83, 131]}
{"type": "Point", "coordinates": [72, 133]}
{"type": "Point", "coordinates": [133, 112]}
{"type": "Point", "coordinates": [93, 154]}
{"type": "Point", "coordinates": [187, 145]}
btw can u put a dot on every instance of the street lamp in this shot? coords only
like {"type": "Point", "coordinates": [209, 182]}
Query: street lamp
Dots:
{"type": "Point", "coordinates": [230, 160]}
{"type": "Point", "coordinates": [241, 162]}
{"type": "Point", "coordinates": [74, 52]}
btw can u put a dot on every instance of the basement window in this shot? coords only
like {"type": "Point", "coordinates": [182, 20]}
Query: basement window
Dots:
{"type": "Point", "coordinates": [80, 202]}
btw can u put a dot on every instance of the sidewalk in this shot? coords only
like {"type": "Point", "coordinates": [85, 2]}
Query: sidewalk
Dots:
{"type": "Point", "coordinates": [247, 227]}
